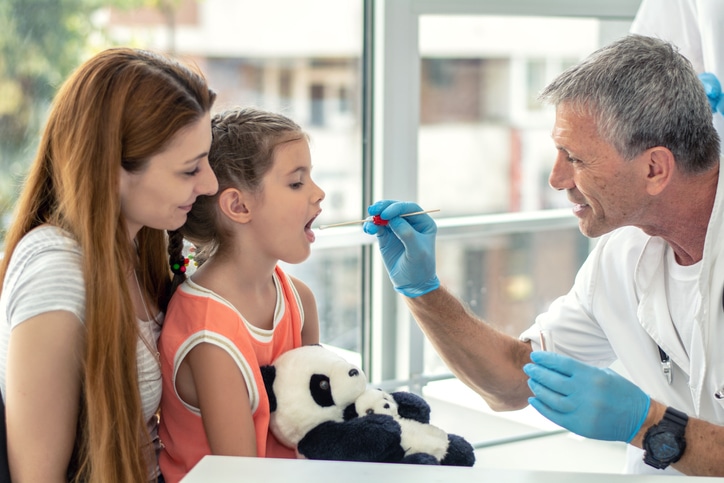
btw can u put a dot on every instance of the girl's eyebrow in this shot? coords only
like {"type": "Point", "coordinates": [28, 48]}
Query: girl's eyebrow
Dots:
{"type": "Point", "coordinates": [300, 169]}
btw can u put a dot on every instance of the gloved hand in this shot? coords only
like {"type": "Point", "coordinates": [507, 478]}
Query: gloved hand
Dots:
{"type": "Point", "coordinates": [592, 402]}
{"type": "Point", "coordinates": [407, 246]}
{"type": "Point", "coordinates": [712, 87]}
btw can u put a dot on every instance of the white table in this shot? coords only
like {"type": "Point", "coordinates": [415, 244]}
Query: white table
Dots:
{"type": "Point", "coordinates": [227, 469]}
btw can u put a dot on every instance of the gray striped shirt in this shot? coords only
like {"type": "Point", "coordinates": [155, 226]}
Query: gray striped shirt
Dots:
{"type": "Point", "coordinates": [45, 274]}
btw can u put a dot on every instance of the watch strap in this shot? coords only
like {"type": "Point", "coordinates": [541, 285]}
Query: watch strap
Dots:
{"type": "Point", "coordinates": [676, 417]}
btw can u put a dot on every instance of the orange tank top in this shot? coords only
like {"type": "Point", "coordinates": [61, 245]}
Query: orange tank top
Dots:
{"type": "Point", "coordinates": [196, 315]}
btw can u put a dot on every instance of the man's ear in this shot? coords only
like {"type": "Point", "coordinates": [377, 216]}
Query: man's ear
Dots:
{"type": "Point", "coordinates": [235, 205]}
{"type": "Point", "coordinates": [661, 166]}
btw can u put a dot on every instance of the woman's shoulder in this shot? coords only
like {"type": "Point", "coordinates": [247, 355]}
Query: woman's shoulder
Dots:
{"type": "Point", "coordinates": [43, 250]}
{"type": "Point", "coordinates": [47, 238]}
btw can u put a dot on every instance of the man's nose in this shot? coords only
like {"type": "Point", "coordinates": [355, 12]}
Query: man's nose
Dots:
{"type": "Point", "coordinates": [561, 177]}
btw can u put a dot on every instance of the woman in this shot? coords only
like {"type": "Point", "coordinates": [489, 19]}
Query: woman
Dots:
{"type": "Point", "coordinates": [86, 272]}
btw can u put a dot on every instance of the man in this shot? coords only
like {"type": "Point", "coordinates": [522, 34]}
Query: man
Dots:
{"type": "Point", "coordinates": [639, 158]}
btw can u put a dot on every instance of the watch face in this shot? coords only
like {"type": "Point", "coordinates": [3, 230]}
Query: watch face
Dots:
{"type": "Point", "coordinates": [664, 446]}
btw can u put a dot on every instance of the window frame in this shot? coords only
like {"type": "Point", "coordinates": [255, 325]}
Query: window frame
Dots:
{"type": "Point", "coordinates": [392, 343]}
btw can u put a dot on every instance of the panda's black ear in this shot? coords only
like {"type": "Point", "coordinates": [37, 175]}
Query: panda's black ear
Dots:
{"type": "Point", "coordinates": [269, 373]}
{"type": "Point", "coordinates": [412, 406]}
{"type": "Point", "coordinates": [350, 412]}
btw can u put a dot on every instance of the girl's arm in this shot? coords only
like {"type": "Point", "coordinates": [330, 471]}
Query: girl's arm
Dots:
{"type": "Point", "coordinates": [223, 399]}
{"type": "Point", "coordinates": [43, 380]}
{"type": "Point", "coordinates": [310, 331]}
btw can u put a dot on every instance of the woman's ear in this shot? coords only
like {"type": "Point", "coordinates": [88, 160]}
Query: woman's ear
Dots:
{"type": "Point", "coordinates": [235, 204]}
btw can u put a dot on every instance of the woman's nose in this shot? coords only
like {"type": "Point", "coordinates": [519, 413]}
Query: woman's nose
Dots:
{"type": "Point", "coordinates": [208, 184]}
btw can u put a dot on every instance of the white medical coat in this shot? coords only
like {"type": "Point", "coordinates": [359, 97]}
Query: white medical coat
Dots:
{"type": "Point", "coordinates": [617, 310]}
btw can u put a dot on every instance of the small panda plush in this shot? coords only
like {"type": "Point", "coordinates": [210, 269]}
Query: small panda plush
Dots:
{"type": "Point", "coordinates": [423, 442]}
{"type": "Point", "coordinates": [320, 405]}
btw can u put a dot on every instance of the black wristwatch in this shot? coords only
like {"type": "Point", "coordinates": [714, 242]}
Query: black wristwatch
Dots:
{"type": "Point", "coordinates": [664, 443]}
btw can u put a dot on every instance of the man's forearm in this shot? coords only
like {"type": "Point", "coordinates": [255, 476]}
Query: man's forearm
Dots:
{"type": "Point", "coordinates": [704, 454]}
{"type": "Point", "coordinates": [482, 357]}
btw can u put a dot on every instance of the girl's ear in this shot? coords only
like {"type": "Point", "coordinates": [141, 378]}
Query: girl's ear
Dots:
{"type": "Point", "coordinates": [235, 205]}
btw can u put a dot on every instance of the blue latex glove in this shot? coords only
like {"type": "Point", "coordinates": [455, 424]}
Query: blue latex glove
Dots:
{"type": "Point", "coordinates": [712, 87]}
{"type": "Point", "coordinates": [407, 246]}
{"type": "Point", "coordinates": [592, 402]}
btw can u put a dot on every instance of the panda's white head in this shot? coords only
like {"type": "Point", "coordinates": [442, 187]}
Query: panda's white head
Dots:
{"type": "Point", "coordinates": [376, 401]}
{"type": "Point", "coordinates": [308, 386]}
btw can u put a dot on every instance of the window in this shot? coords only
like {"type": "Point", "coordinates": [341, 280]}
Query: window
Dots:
{"type": "Point", "coordinates": [426, 100]}
{"type": "Point", "coordinates": [459, 129]}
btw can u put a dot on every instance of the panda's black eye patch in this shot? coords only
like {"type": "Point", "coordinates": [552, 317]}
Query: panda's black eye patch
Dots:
{"type": "Point", "coordinates": [387, 406]}
{"type": "Point", "coordinates": [321, 390]}
{"type": "Point", "coordinates": [353, 372]}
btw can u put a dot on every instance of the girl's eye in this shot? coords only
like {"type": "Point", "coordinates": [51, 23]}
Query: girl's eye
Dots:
{"type": "Point", "coordinates": [296, 185]}
{"type": "Point", "coordinates": [194, 172]}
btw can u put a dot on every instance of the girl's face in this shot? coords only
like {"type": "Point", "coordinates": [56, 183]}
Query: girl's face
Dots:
{"type": "Point", "coordinates": [160, 196]}
{"type": "Point", "coordinates": [287, 205]}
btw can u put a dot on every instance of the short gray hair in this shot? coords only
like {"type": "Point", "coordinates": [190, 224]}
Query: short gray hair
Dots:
{"type": "Point", "coordinates": [642, 93]}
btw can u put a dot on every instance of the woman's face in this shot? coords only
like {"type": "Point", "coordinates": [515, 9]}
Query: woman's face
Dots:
{"type": "Point", "coordinates": [160, 196]}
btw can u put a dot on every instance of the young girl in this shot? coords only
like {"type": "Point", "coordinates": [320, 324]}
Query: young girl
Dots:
{"type": "Point", "coordinates": [86, 270]}
{"type": "Point", "coordinates": [239, 310]}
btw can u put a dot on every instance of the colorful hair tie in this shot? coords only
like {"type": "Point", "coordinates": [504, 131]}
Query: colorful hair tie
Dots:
{"type": "Point", "coordinates": [179, 268]}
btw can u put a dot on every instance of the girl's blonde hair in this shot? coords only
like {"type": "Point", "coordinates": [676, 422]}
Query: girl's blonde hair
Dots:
{"type": "Point", "coordinates": [116, 111]}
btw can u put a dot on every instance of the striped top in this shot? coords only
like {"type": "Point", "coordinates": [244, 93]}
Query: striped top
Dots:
{"type": "Point", "coordinates": [45, 274]}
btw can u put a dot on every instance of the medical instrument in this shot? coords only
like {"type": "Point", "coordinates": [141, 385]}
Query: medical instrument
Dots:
{"type": "Point", "coordinates": [375, 219]}
{"type": "Point", "coordinates": [666, 365]}
{"type": "Point", "coordinates": [546, 340]}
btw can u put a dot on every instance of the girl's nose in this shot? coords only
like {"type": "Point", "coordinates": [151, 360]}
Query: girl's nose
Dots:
{"type": "Point", "coordinates": [320, 194]}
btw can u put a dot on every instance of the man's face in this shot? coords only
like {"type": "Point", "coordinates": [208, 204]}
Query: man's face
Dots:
{"type": "Point", "coordinates": [608, 192]}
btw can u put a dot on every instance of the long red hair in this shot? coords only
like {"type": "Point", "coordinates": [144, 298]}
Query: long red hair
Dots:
{"type": "Point", "coordinates": [117, 110]}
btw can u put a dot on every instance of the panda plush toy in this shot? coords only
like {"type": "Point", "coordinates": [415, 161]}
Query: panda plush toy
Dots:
{"type": "Point", "coordinates": [423, 442]}
{"type": "Point", "coordinates": [321, 406]}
